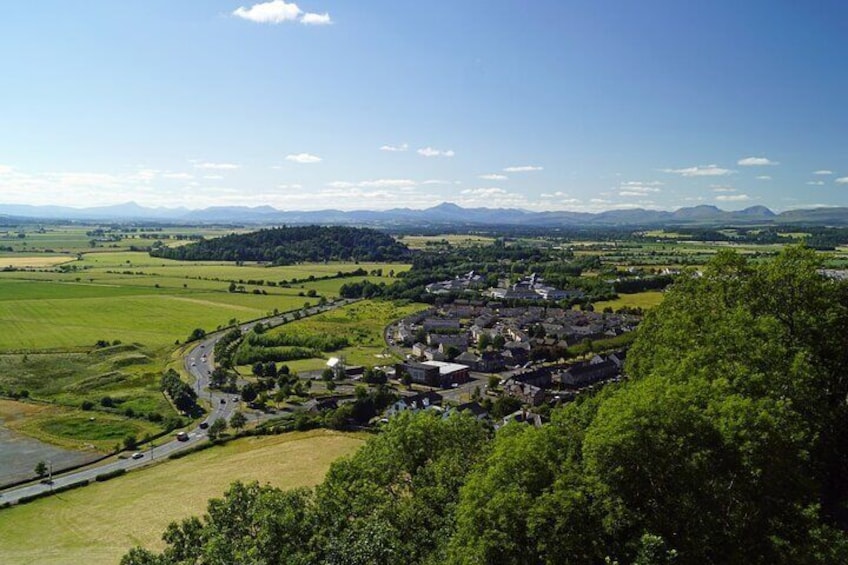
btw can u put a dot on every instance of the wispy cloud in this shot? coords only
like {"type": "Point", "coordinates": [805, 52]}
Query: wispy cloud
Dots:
{"type": "Point", "coordinates": [763, 177]}
{"type": "Point", "coordinates": [635, 189]}
{"type": "Point", "coordinates": [822, 172]}
{"type": "Point", "coordinates": [217, 166]}
{"type": "Point", "coordinates": [522, 169]}
{"type": "Point", "coordinates": [723, 189]}
{"type": "Point", "coordinates": [303, 158]}
{"type": "Point", "coordinates": [700, 171]}
{"type": "Point", "coordinates": [815, 183]}
{"type": "Point", "coordinates": [376, 183]}
{"type": "Point", "coordinates": [756, 162]}
{"type": "Point", "coordinates": [395, 148]}
{"type": "Point", "coordinates": [178, 176]}
{"type": "Point", "coordinates": [431, 152]}
{"type": "Point", "coordinates": [733, 197]}
{"type": "Point", "coordinates": [841, 180]}
{"type": "Point", "coordinates": [492, 191]}
{"type": "Point", "coordinates": [493, 176]}
{"type": "Point", "coordinates": [316, 19]}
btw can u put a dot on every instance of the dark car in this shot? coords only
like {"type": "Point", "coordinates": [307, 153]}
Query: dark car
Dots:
{"type": "Point", "coordinates": [182, 436]}
{"type": "Point", "coordinates": [204, 425]}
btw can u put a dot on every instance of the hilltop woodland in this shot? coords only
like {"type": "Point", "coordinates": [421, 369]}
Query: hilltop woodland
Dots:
{"type": "Point", "coordinates": [726, 445]}
{"type": "Point", "coordinates": [290, 245]}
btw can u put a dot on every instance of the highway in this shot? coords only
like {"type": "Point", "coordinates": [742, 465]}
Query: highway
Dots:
{"type": "Point", "coordinates": [199, 363]}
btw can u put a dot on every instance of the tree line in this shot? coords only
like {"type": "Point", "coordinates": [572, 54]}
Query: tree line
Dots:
{"type": "Point", "coordinates": [290, 245]}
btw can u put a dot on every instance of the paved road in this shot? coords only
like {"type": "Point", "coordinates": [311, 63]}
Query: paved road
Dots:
{"type": "Point", "coordinates": [199, 362]}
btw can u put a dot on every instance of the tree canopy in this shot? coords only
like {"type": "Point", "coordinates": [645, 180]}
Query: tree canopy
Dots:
{"type": "Point", "coordinates": [289, 245]}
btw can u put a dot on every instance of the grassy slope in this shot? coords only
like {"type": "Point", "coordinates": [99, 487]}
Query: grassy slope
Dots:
{"type": "Point", "coordinates": [101, 522]}
{"type": "Point", "coordinates": [361, 323]}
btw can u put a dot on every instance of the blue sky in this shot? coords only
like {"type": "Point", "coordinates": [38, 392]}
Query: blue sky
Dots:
{"type": "Point", "coordinates": [542, 105]}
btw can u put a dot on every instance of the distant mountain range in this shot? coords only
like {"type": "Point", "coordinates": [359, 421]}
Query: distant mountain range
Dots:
{"type": "Point", "coordinates": [445, 214]}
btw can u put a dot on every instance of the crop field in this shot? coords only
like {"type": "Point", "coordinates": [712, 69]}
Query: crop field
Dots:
{"type": "Point", "coordinates": [80, 526]}
{"type": "Point", "coordinates": [33, 261]}
{"type": "Point", "coordinates": [455, 240]}
{"type": "Point", "coordinates": [361, 324]}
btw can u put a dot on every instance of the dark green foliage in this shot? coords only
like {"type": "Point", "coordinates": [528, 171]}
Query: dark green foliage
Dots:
{"type": "Point", "coordinates": [109, 475]}
{"type": "Point", "coordinates": [181, 393]}
{"type": "Point", "coordinates": [289, 245]}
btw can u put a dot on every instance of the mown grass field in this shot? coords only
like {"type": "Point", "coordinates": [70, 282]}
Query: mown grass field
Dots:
{"type": "Point", "coordinates": [99, 523]}
{"type": "Point", "coordinates": [361, 323]}
{"type": "Point", "coordinates": [643, 300]}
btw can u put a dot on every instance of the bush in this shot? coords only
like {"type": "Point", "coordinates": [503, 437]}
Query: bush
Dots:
{"type": "Point", "coordinates": [109, 475]}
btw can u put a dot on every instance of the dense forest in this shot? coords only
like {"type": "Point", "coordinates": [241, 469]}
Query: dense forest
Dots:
{"type": "Point", "coordinates": [727, 444]}
{"type": "Point", "coordinates": [290, 245]}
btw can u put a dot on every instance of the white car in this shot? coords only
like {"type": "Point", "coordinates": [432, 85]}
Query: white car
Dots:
{"type": "Point", "coordinates": [137, 455]}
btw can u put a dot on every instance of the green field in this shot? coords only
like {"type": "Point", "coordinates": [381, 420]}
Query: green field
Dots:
{"type": "Point", "coordinates": [643, 300]}
{"type": "Point", "coordinates": [361, 324]}
{"type": "Point", "coordinates": [53, 316]}
{"type": "Point", "coordinates": [99, 523]}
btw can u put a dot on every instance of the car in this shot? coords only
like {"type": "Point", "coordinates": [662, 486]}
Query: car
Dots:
{"type": "Point", "coordinates": [204, 425]}
{"type": "Point", "coordinates": [223, 401]}
{"type": "Point", "coordinates": [182, 436]}
{"type": "Point", "coordinates": [235, 399]}
{"type": "Point", "coordinates": [137, 455]}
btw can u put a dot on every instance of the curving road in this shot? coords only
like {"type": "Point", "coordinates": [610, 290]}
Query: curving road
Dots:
{"type": "Point", "coordinates": [199, 362]}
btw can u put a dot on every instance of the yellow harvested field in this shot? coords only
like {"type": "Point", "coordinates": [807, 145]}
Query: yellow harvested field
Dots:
{"type": "Point", "coordinates": [101, 522]}
{"type": "Point", "coordinates": [34, 262]}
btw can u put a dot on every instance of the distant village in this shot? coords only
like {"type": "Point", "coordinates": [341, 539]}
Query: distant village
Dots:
{"type": "Point", "coordinates": [464, 343]}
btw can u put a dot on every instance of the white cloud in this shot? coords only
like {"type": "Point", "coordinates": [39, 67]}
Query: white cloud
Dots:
{"type": "Point", "coordinates": [522, 169]}
{"type": "Point", "coordinates": [217, 166]}
{"type": "Point", "coordinates": [178, 176]}
{"type": "Point", "coordinates": [376, 183]}
{"type": "Point", "coordinates": [755, 162]}
{"type": "Point", "coordinates": [732, 197]}
{"type": "Point", "coordinates": [5, 169]}
{"type": "Point", "coordinates": [493, 191]}
{"type": "Point", "coordinates": [816, 183]}
{"type": "Point", "coordinates": [316, 19]}
{"type": "Point", "coordinates": [440, 181]}
{"type": "Point", "coordinates": [291, 186]}
{"type": "Point", "coordinates": [763, 177]}
{"type": "Point", "coordinates": [303, 158]}
{"type": "Point", "coordinates": [493, 176]}
{"type": "Point", "coordinates": [723, 189]}
{"type": "Point", "coordinates": [273, 12]}
{"type": "Point", "coordinates": [212, 177]}
{"type": "Point", "coordinates": [395, 148]}
{"type": "Point", "coordinates": [557, 194]}
{"type": "Point", "coordinates": [638, 188]}
{"type": "Point", "coordinates": [431, 152]}
{"type": "Point", "coordinates": [822, 172]}
{"type": "Point", "coordinates": [700, 171]}
{"type": "Point", "coordinates": [841, 180]}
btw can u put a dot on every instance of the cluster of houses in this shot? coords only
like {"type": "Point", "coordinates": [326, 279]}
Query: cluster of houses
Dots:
{"type": "Point", "coordinates": [470, 282]}
{"type": "Point", "coordinates": [491, 338]}
{"type": "Point", "coordinates": [553, 383]}
{"type": "Point", "coordinates": [531, 287]}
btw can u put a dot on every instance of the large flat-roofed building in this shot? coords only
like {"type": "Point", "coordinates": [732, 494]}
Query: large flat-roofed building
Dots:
{"type": "Point", "coordinates": [434, 373]}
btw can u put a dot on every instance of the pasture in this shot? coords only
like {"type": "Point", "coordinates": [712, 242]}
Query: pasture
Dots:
{"type": "Point", "coordinates": [643, 300]}
{"type": "Point", "coordinates": [80, 526]}
{"type": "Point", "coordinates": [362, 324]}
